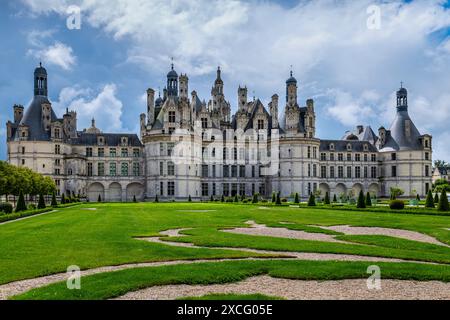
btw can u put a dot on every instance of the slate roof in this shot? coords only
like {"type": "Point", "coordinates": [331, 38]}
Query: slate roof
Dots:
{"type": "Point", "coordinates": [341, 145]}
{"type": "Point", "coordinates": [111, 139]}
{"type": "Point", "coordinates": [366, 134]}
{"type": "Point", "coordinates": [398, 133]}
{"type": "Point", "coordinates": [32, 118]}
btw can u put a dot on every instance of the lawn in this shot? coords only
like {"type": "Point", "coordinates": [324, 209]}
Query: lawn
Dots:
{"type": "Point", "coordinates": [50, 243]}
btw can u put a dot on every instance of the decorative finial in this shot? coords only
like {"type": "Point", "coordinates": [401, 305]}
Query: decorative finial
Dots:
{"type": "Point", "coordinates": [172, 62]}
{"type": "Point", "coordinates": [159, 92]}
{"type": "Point", "coordinates": [291, 70]}
{"type": "Point", "coordinates": [401, 84]}
{"type": "Point", "coordinates": [40, 64]}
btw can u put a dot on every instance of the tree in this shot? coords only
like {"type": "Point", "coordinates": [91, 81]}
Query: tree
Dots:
{"type": "Point", "coordinates": [326, 200]}
{"type": "Point", "coordinates": [417, 197]}
{"type": "Point", "coordinates": [41, 203]}
{"type": "Point", "coordinates": [361, 201]}
{"type": "Point", "coordinates": [21, 206]}
{"type": "Point", "coordinates": [189, 198]}
{"type": "Point", "coordinates": [311, 200]}
{"type": "Point", "coordinates": [236, 199]}
{"type": "Point", "coordinates": [278, 200]}
{"type": "Point", "coordinates": [436, 198]}
{"type": "Point", "coordinates": [54, 203]}
{"type": "Point", "coordinates": [222, 198]}
{"type": "Point", "coordinates": [443, 202]}
{"type": "Point", "coordinates": [274, 197]}
{"type": "Point", "coordinates": [156, 198]}
{"type": "Point", "coordinates": [429, 202]}
{"type": "Point", "coordinates": [134, 198]}
{"type": "Point", "coordinates": [334, 198]}
{"type": "Point", "coordinates": [368, 200]}
{"type": "Point", "coordinates": [255, 198]}
{"type": "Point", "coordinates": [440, 163]}
{"type": "Point", "coordinates": [296, 200]}
{"type": "Point", "coordinates": [441, 184]}
{"type": "Point", "coordinates": [63, 199]}
{"type": "Point", "coordinates": [99, 199]}
{"type": "Point", "coordinates": [211, 198]}
{"type": "Point", "coordinates": [396, 192]}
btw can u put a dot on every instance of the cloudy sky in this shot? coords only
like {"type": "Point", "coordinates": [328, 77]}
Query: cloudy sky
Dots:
{"type": "Point", "coordinates": [350, 56]}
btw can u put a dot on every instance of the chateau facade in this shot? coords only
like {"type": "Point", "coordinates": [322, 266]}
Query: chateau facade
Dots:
{"type": "Point", "coordinates": [188, 147]}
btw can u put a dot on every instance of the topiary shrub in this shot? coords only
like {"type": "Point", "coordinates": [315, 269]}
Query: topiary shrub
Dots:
{"type": "Point", "coordinates": [429, 202]}
{"type": "Point", "coordinates": [99, 199]}
{"type": "Point", "coordinates": [396, 204]}
{"type": "Point", "coordinates": [222, 199]}
{"type": "Point", "coordinates": [278, 200]}
{"type": "Point", "coordinates": [21, 206]}
{"type": "Point", "coordinates": [134, 198]}
{"type": "Point", "coordinates": [6, 207]}
{"type": "Point", "coordinates": [334, 198]}
{"type": "Point", "coordinates": [63, 199]}
{"type": "Point", "coordinates": [296, 200]}
{"type": "Point", "coordinates": [326, 200]}
{"type": "Point", "coordinates": [255, 198]}
{"type": "Point", "coordinates": [283, 200]}
{"type": "Point", "coordinates": [236, 199]}
{"type": "Point", "coordinates": [368, 200]}
{"type": "Point", "coordinates": [311, 200]}
{"type": "Point", "coordinates": [156, 198]}
{"type": "Point", "coordinates": [274, 197]}
{"type": "Point", "coordinates": [418, 197]}
{"type": "Point", "coordinates": [443, 202]}
{"type": "Point", "coordinates": [361, 203]}
{"type": "Point", "coordinates": [436, 198]}
{"type": "Point", "coordinates": [54, 203]}
{"type": "Point", "coordinates": [41, 203]}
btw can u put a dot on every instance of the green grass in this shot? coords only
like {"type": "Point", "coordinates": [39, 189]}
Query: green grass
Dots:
{"type": "Point", "coordinates": [112, 284]}
{"type": "Point", "coordinates": [50, 243]}
{"type": "Point", "coordinates": [232, 296]}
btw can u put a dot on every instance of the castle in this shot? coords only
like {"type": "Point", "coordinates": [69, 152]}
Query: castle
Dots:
{"type": "Point", "coordinates": [188, 147]}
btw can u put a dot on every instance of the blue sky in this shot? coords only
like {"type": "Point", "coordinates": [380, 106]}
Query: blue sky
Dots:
{"type": "Point", "coordinates": [123, 47]}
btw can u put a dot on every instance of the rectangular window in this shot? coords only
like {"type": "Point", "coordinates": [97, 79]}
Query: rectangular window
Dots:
{"type": "Point", "coordinates": [57, 171]}
{"type": "Point", "coordinates": [365, 157]}
{"type": "Point", "coordinates": [226, 171]}
{"type": "Point", "coordinates": [136, 169]}
{"type": "Point", "coordinates": [253, 172]}
{"type": "Point", "coordinates": [100, 169]}
{"type": "Point", "coordinates": [23, 150]}
{"type": "Point", "coordinates": [226, 189]}
{"type": "Point", "coordinates": [101, 152]}
{"type": "Point", "coordinates": [323, 172]}
{"type": "Point", "coordinates": [233, 189]}
{"type": "Point", "coordinates": [213, 170]}
{"type": "Point", "coordinates": [366, 172]}
{"type": "Point", "coordinates": [234, 171]}
{"type": "Point", "coordinates": [349, 172]}
{"type": "Point", "coordinates": [323, 156]}
{"type": "Point", "coordinates": [204, 123]}
{"type": "Point", "coordinates": [309, 152]}
{"type": "Point", "coordinates": [260, 124]}
{"type": "Point", "coordinates": [314, 170]}
{"type": "Point", "coordinates": [57, 162]}
{"type": "Point", "coordinates": [57, 149]}
{"type": "Point", "coordinates": [136, 153]}
{"type": "Point", "coordinates": [204, 170]}
{"type": "Point", "coordinates": [373, 157]}
{"type": "Point", "coordinates": [112, 169]}
{"type": "Point", "coordinates": [373, 172]}
{"type": "Point", "coordinates": [357, 157]}
{"type": "Point", "coordinates": [242, 189]}
{"type": "Point", "coordinates": [88, 152]}
{"type": "Point", "coordinates": [89, 169]}
{"type": "Point", "coordinates": [124, 169]}
{"type": "Point", "coordinates": [340, 157]}
{"type": "Point", "coordinates": [427, 171]}
{"type": "Point", "coordinates": [170, 147]}
{"type": "Point", "coordinates": [262, 189]}
{"type": "Point", "coordinates": [349, 157]}
{"type": "Point", "coordinates": [427, 156]}
{"type": "Point", "coordinates": [357, 172]}
{"type": "Point", "coordinates": [161, 168]}
{"type": "Point", "coordinates": [170, 168]}
{"type": "Point", "coordinates": [242, 171]}
{"type": "Point", "coordinates": [171, 116]}
{"type": "Point", "coordinates": [204, 189]}
{"type": "Point", "coordinates": [393, 156]}
{"type": "Point", "coordinates": [332, 172]}
{"type": "Point", "coordinates": [124, 152]}
{"type": "Point", "coordinates": [315, 152]}
{"type": "Point", "coordinates": [112, 152]}
{"type": "Point", "coordinates": [341, 172]}
{"type": "Point", "coordinates": [170, 188]}
{"type": "Point", "coordinates": [394, 170]}
{"type": "Point", "coordinates": [331, 156]}
{"type": "Point", "coordinates": [213, 189]}
{"type": "Point", "coordinates": [309, 170]}
{"type": "Point", "coordinates": [161, 188]}
{"type": "Point", "coordinates": [161, 149]}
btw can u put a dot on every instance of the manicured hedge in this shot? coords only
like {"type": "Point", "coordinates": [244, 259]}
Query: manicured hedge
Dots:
{"type": "Point", "coordinates": [27, 213]}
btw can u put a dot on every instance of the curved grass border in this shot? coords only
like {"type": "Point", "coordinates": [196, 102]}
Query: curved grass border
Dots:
{"type": "Point", "coordinates": [113, 284]}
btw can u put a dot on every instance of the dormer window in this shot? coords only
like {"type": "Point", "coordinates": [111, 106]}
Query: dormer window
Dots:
{"type": "Point", "coordinates": [124, 140]}
{"type": "Point", "coordinates": [349, 147]}
{"type": "Point", "coordinates": [366, 147]}
{"type": "Point", "coordinates": [100, 140]}
{"type": "Point", "coordinates": [331, 146]}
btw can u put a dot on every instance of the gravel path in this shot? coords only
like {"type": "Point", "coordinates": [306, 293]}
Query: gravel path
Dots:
{"type": "Point", "coordinates": [262, 230]}
{"type": "Point", "coordinates": [302, 289]}
{"type": "Point", "coordinates": [399, 233]}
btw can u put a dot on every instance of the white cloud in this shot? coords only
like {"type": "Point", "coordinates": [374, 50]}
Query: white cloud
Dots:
{"type": "Point", "coordinates": [57, 54]}
{"type": "Point", "coordinates": [104, 106]}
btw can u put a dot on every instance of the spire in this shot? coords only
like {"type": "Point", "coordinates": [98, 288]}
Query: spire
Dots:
{"type": "Point", "coordinates": [40, 81]}
{"type": "Point", "coordinates": [402, 98]}
{"type": "Point", "coordinates": [93, 122]}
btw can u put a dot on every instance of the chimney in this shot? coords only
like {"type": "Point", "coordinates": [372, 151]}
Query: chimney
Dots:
{"type": "Point", "coordinates": [18, 113]}
{"type": "Point", "coordinates": [150, 105]}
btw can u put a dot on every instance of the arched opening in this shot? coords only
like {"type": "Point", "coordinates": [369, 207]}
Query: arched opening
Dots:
{"type": "Point", "coordinates": [340, 190]}
{"type": "Point", "coordinates": [94, 190]}
{"type": "Point", "coordinates": [135, 189]}
{"type": "Point", "coordinates": [357, 187]}
{"type": "Point", "coordinates": [324, 188]}
{"type": "Point", "coordinates": [374, 189]}
{"type": "Point", "coordinates": [115, 192]}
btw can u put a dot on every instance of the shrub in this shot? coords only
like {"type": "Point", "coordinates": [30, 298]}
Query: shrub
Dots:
{"type": "Point", "coordinates": [236, 199]}
{"type": "Point", "coordinates": [63, 199]}
{"type": "Point", "coordinates": [31, 206]}
{"type": "Point", "coordinates": [245, 201]}
{"type": "Point", "coordinates": [222, 199]}
{"type": "Point", "coordinates": [436, 198]}
{"type": "Point", "coordinates": [296, 200]}
{"type": "Point", "coordinates": [229, 199]}
{"type": "Point", "coordinates": [21, 206]}
{"type": "Point", "coordinates": [361, 201]}
{"type": "Point", "coordinates": [273, 197]}
{"type": "Point", "coordinates": [211, 199]}
{"type": "Point", "coordinates": [368, 200]}
{"type": "Point", "coordinates": [156, 198]}
{"type": "Point", "coordinates": [283, 200]}
{"type": "Point", "coordinates": [264, 201]}
{"type": "Point", "coordinates": [443, 202]}
{"type": "Point", "coordinates": [41, 203]}
{"type": "Point", "coordinates": [429, 202]}
{"type": "Point", "coordinates": [189, 198]}
{"type": "Point", "coordinates": [134, 198]}
{"type": "Point", "coordinates": [278, 200]}
{"type": "Point", "coordinates": [334, 198]}
{"type": "Point", "coordinates": [6, 207]}
{"type": "Point", "coordinates": [397, 204]}
{"type": "Point", "coordinates": [418, 197]}
{"type": "Point", "coordinates": [326, 200]}
{"type": "Point", "coordinates": [311, 200]}
{"type": "Point", "coordinates": [54, 202]}
{"type": "Point", "coordinates": [99, 199]}
{"type": "Point", "coordinates": [255, 198]}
